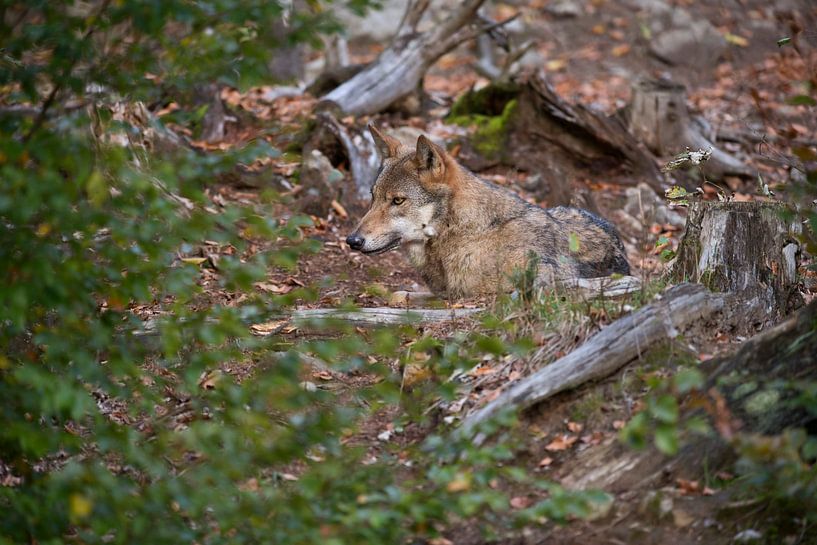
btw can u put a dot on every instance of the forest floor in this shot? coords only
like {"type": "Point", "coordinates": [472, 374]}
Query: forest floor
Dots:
{"type": "Point", "coordinates": [745, 92]}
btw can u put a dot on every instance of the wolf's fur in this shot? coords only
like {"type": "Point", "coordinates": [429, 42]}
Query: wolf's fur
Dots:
{"type": "Point", "coordinates": [467, 236]}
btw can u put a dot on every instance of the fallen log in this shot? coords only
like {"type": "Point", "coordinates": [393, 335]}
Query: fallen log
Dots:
{"type": "Point", "coordinates": [620, 343]}
{"type": "Point", "coordinates": [747, 248]}
{"type": "Point", "coordinates": [756, 385]}
{"type": "Point", "coordinates": [602, 287]}
{"type": "Point", "coordinates": [371, 317]}
{"type": "Point", "coordinates": [658, 117]}
{"type": "Point", "coordinates": [399, 70]}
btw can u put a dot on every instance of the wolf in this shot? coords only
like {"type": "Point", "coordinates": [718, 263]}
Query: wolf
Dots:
{"type": "Point", "coordinates": [467, 236]}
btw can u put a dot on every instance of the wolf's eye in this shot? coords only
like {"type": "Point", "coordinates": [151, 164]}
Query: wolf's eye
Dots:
{"type": "Point", "coordinates": [397, 201]}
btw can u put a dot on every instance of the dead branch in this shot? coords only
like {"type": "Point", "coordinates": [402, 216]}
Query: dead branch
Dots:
{"type": "Point", "coordinates": [357, 146]}
{"type": "Point", "coordinates": [371, 317]}
{"type": "Point", "coordinates": [620, 343]}
{"type": "Point", "coordinates": [400, 68]}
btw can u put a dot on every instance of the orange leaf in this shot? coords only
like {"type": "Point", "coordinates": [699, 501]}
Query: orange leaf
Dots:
{"type": "Point", "coordinates": [575, 427]}
{"type": "Point", "coordinates": [620, 50]}
{"type": "Point", "coordinates": [339, 209]}
{"type": "Point", "coordinates": [562, 442]}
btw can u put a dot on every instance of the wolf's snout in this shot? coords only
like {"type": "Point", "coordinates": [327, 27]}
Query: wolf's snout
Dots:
{"type": "Point", "coordinates": [355, 241]}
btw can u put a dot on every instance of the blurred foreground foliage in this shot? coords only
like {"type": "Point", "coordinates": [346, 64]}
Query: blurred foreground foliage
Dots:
{"type": "Point", "coordinates": [92, 446]}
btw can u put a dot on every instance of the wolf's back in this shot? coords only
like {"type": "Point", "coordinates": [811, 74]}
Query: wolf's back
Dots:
{"type": "Point", "coordinates": [591, 243]}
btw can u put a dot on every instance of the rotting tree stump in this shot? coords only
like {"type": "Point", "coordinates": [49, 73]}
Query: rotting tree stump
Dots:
{"type": "Point", "coordinates": [658, 117]}
{"type": "Point", "coordinates": [527, 125]}
{"type": "Point", "coordinates": [747, 248]}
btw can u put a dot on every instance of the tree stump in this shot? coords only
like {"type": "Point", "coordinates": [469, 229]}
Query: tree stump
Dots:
{"type": "Point", "coordinates": [659, 118]}
{"type": "Point", "coordinates": [746, 248]}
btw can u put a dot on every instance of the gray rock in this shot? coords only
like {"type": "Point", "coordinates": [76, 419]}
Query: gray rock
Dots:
{"type": "Point", "coordinates": [695, 44]}
{"type": "Point", "coordinates": [564, 9]}
{"type": "Point", "coordinates": [679, 38]}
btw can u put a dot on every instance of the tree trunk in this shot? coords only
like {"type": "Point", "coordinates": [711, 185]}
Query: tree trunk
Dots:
{"type": "Point", "coordinates": [745, 248]}
{"type": "Point", "coordinates": [658, 117]}
{"type": "Point", "coordinates": [399, 69]}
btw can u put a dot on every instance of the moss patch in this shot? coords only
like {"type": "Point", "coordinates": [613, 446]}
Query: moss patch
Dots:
{"type": "Point", "coordinates": [490, 132]}
{"type": "Point", "coordinates": [489, 101]}
{"type": "Point", "coordinates": [489, 112]}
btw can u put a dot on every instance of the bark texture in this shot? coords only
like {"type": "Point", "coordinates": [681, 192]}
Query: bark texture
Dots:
{"type": "Point", "coordinates": [744, 248]}
{"type": "Point", "coordinates": [369, 317]}
{"type": "Point", "coordinates": [550, 131]}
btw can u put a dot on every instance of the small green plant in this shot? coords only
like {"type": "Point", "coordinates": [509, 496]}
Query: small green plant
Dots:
{"type": "Point", "coordinates": [661, 416]}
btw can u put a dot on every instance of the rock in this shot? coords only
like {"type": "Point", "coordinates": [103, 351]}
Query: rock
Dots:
{"type": "Point", "coordinates": [696, 44]}
{"type": "Point", "coordinates": [564, 9]}
{"type": "Point", "coordinates": [681, 518]}
{"type": "Point", "coordinates": [319, 180]}
{"type": "Point", "coordinates": [679, 38]}
{"type": "Point", "coordinates": [406, 298]}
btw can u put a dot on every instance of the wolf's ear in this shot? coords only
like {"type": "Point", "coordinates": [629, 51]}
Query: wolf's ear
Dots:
{"type": "Point", "coordinates": [387, 146]}
{"type": "Point", "coordinates": [430, 159]}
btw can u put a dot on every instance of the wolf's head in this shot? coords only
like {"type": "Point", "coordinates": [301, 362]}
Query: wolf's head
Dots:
{"type": "Point", "coordinates": [409, 196]}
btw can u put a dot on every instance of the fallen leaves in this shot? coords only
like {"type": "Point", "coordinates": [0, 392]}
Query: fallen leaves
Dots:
{"type": "Point", "coordinates": [562, 442]}
{"type": "Point", "coordinates": [693, 488]}
{"type": "Point", "coordinates": [545, 462]}
{"type": "Point", "coordinates": [268, 328]}
{"type": "Point", "coordinates": [339, 209]}
{"type": "Point", "coordinates": [521, 502]}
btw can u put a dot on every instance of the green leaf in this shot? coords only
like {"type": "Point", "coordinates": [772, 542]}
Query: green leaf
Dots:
{"type": "Point", "coordinates": [97, 188]}
{"type": "Point", "coordinates": [687, 380]}
{"type": "Point", "coordinates": [634, 434]}
{"type": "Point", "coordinates": [666, 439]}
{"type": "Point", "coordinates": [664, 408]}
{"type": "Point", "coordinates": [802, 100]}
{"type": "Point", "coordinates": [573, 242]}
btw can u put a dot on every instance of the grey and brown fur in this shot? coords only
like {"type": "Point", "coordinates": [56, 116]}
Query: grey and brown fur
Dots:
{"type": "Point", "coordinates": [467, 236]}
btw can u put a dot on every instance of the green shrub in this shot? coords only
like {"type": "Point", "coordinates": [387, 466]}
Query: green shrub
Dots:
{"type": "Point", "coordinates": [118, 429]}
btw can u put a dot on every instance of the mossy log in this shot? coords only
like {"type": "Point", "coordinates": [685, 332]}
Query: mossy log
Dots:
{"type": "Point", "coordinates": [658, 117]}
{"type": "Point", "coordinates": [527, 125]}
{"type": "Point", "coordinates": [747, 248]}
